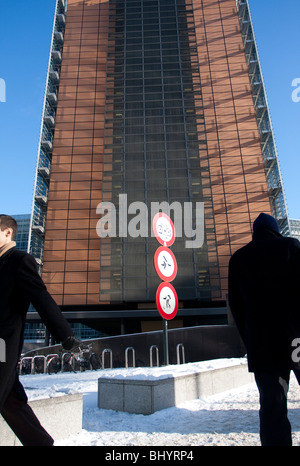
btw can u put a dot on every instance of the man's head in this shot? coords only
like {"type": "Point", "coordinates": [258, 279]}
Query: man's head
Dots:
{"type": "Point", "coordinates": [265, 221]}
{"type": "Point", "coordinates": [8, 229]}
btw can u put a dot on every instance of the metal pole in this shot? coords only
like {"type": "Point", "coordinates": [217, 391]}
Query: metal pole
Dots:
{"type": "Point", "coordinates": [166, 349]}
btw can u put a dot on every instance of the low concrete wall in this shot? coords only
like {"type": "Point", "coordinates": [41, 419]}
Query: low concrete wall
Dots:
{"type": "Point", "coordinates": [149, 396]}
{"type": "Point", "coordinates": [60, 416]}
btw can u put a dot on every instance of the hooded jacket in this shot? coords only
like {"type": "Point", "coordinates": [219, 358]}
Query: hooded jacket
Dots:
{"type": "Point", "coordinates": [20, 285]}
{"type": "Point", "coordinates": [264, 296]}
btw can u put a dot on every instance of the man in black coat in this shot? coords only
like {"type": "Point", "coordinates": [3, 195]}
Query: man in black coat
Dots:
{"type": "Point", "coordinates": [264, 284]}
{"type": "Point", "coordinates": [20, 285]}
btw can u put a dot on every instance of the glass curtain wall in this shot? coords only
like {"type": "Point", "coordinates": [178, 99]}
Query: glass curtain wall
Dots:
{"type": "Point", "coordinates": [155, 148]}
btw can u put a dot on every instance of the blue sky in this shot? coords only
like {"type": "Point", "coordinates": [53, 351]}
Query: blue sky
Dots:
{"type": "Point", "coordinates": [24, 50]}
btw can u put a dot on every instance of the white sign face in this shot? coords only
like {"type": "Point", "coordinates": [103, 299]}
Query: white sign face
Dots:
{"type": "Point", "coordinates": [165, 264]}
{"type": "Point", "coordinates": [163, 229]}
{"type": "Point", "coordinates": [167, 301]}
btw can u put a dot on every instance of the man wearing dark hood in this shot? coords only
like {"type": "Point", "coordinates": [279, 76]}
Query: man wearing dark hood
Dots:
{"type": "Point", "coordinates": [264, 298]}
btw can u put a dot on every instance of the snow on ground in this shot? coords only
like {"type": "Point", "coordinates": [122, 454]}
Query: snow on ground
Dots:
{"type": "Point", "coordinates": [226, 419]}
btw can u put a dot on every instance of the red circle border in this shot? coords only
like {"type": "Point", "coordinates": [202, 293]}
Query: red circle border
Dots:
{"type": "Point", "coordinates": [164, 243]}
{"type": "Point", "coordinates": [159, 273]}
{"type": "Point", "coordinates": [160, 309]}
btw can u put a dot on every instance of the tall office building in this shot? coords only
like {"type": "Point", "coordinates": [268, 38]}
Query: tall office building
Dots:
{"type": "Point", "coordinates": [150, 101]}
{"type": "Point", "coordinates": [295, 228]}
{"type": "Point", "coordinates": [32, 330]}
{"type": "Point", "coordinates": [22, 236]}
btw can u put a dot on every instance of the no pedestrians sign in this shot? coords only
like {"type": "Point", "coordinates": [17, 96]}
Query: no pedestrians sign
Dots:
{"type": "Point", "coordinates": [167, 301]}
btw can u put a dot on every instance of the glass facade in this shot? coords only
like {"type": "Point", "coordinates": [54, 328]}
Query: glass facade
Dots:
{"type": "Point", "coordinates": [22, 237]}
{"type": "Point", "coordinates": [44, 159]}
{"type": "Point", "coordinates": [295, 228]}
{"type": "Point", "coordinates": [155, 147]}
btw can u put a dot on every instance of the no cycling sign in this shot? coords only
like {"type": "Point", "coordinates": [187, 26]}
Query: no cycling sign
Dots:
{"type": "Point", "coordinates": [164, 229]}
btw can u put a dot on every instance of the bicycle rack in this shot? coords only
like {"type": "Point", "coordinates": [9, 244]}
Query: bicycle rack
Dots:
{"type": "Point", "coordinates": [41, 356]}
{"type": "Point", "coordinates": [106, 350]}
{"type": "Point", "coordinates": [63, 362]}
{"type": "Point", "coordinates": [178, 347]}
{"type": "Point", "coordinates": [49, 356]}
{"type": "Point", "coordinates": [126, 356]}
{"type": "Point", "coordinates": [31, 364]}
{"type": "Point", "coordinates": [154, 347]}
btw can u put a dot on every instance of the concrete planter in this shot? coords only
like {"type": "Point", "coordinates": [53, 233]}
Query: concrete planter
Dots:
{"type": "Point", "coordinates": [149, 396]}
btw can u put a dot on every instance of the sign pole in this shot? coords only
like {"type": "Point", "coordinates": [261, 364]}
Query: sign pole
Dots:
{"type": "Point", "coordinates": [166, 346]}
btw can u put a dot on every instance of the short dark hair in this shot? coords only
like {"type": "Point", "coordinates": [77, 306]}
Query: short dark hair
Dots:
{"type": "Point", "coordinates": [8, 222]}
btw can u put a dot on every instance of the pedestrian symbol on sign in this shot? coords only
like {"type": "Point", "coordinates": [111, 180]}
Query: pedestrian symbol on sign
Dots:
{"type": "Point", "coordinates": [167, 301]}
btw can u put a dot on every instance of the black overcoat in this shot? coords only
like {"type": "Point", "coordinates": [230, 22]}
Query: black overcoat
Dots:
{"type": "Point", "coordinates": [264, 298]}
{"type": "Point", "coordinates": [20, 285]}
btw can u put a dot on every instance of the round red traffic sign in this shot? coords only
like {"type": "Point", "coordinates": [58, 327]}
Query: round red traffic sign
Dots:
{"type": "Point", "coordinates": [165, 264]}
{"type": "Point", "coordinates": [164, 229]}
{"type": "Point", "coordinates": [167, 301]}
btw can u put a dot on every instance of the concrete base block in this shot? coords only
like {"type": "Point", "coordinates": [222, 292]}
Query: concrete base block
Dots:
{"type": "Point", "coordinates": [149, 396]}
{"type": "Point", "coordinates": [60, 416]}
